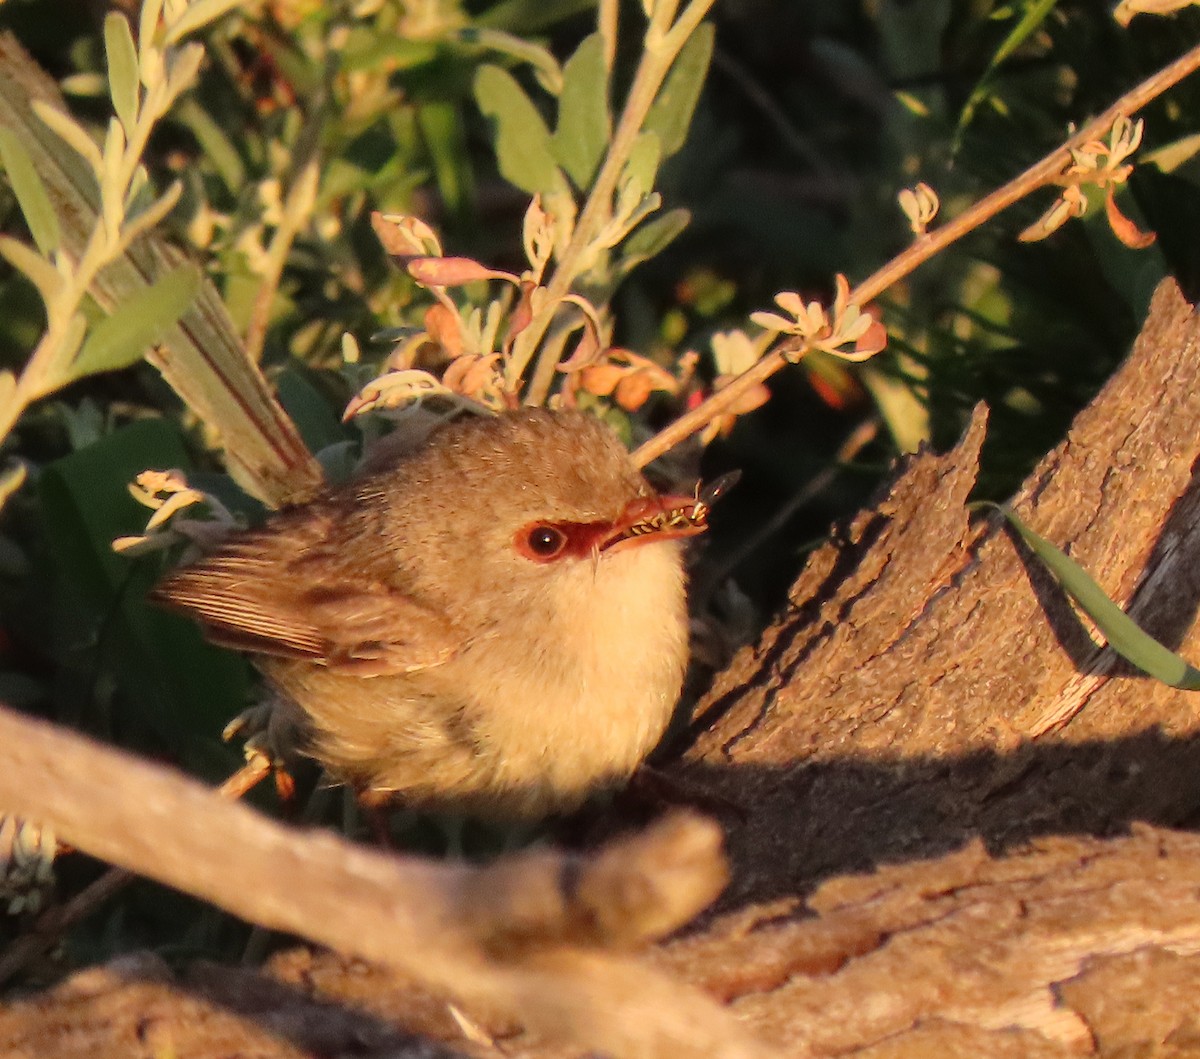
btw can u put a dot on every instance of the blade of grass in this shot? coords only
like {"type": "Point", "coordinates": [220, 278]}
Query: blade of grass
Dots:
{"type": "Point", "coordinates": [1124, 636]}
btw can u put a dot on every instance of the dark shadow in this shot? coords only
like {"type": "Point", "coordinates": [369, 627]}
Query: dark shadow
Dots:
{"type": "Point", "coordinates": [790, 827]}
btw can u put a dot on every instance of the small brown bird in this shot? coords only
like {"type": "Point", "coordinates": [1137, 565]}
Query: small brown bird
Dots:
{"type": "Point", "coordinates": [494, 623]}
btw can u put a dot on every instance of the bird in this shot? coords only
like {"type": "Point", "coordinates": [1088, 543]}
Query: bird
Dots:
{"type": "Point", "coordinates": [494, 624]}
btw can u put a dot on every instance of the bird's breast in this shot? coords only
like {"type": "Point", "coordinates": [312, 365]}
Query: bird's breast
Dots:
{"type": "Point", "coordinates": [577, 687]}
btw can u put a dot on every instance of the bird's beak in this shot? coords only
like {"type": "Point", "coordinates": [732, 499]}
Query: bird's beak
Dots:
{"type": "Point", "coordinates": [656, 518]}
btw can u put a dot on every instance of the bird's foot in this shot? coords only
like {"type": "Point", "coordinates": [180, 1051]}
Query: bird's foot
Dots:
{"type": "Point", "coordinates": [263, 748]}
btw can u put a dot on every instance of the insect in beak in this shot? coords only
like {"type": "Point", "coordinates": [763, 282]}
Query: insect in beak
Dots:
{"type": "Point", "coordinates": [667, 517]}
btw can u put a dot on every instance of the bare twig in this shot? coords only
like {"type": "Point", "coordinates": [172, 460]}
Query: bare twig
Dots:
{"type": "Point", "coordinates": [1039, 174]}
{"type": "Point", "coordinates": [297, 209]}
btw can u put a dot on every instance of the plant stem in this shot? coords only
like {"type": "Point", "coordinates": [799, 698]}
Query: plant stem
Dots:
{"type": "Point", "coordinates": [1037, 175]}
{"type": "Point", "coordinates": [46, 369]}
{"type": "Point", "coordinates": [297, 209]}
{"type": "Point", "coordinates": [662, 46]}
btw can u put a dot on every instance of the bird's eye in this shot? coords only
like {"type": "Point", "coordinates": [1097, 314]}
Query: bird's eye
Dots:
{"type": "Point", "coordinates": [545, 542]}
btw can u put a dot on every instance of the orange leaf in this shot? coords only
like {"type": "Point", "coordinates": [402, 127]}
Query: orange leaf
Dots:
{"type": "Point", "coordinates": [601, 379]}
{"type": "Point", "coordinates": [522, 314]}
{"type": "Point", "coordinates": [1123, 228]}
{"type": "Point", "coordinates": [588, 352]}
{"type": "Point", "coordinates": [404, 236]}
{"type": "Point", "coordinates": [633, 390]}
{"type": "Point", "coordinates": [444, 328]}
{"type": "Point", "coordinates": [449, 271]}
{"type": "Point", "coordinates": [872, 340]}
{"type": "Point", "coordinates": [471, 373]}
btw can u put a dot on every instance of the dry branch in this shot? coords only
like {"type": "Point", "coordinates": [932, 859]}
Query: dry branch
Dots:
{"type": "Point", "coordinates": [523, 935]}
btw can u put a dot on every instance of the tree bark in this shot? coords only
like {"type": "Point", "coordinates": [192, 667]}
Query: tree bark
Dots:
{"type": "Point", "coordinates": [947, 800]}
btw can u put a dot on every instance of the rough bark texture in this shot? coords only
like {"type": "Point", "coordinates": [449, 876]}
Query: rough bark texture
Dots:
{"type": "Point", "coordinates": [939, 774]}
{"type": "Point", "coordinates": [930, 682]}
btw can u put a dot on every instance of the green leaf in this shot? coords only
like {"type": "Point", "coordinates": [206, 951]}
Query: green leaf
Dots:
{"type": "Point", "coordinates": [442, 128]}
{"type": "Point", "coordinates": [530, 16]}
{"type": "Point", "coordinates": [141, 320]}
{"type": "Point", "coordinates": [122, 69]}
{"type": "Point", "coordinates": [67, 129]}
{"type": "Point", "coordinates": [1036, 12]}
{"type": "Point", "coordinates": [1123, 635]}
{"type": "Point", "coordinates": [584, 123]}
{"type": "Point", "coordinates": [197, 14]}
{"type": "Point", "coordinates": [545, 67]}
{"type": "Point", "coordinates": [671, 113]}
{"type": "Point", "coordinates": [40, 272]}
{"type": "Point", "coordinates": [522, 141]}
{"type": "Point", "coordinates": [31, 193]}
{"type": "Point", "coordinates": [215, 145]}
{"type": "Point", "coordinates": [366, 49]}
{"type": "Point", "coordinates": [320, 426]}
{"type": "Point", "coordinates": [641, 168]}
{"type": "Point", "coordinates": [653, 238]}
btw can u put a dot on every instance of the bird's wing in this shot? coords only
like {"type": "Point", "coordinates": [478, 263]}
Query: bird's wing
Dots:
{"type": "Point", "coordinates": [265, 593]}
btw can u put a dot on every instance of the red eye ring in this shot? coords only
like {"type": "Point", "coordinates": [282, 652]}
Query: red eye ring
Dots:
{"type": "Point", "coordinates": [542, 542]}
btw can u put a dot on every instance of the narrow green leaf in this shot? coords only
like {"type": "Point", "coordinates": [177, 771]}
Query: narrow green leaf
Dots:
{"type": "Point", "coordinates": [120, 340]}
{"type": "Point", "coordinates": [653, 238]}
{"type": "Point", "coordinates": [671, 113]}
{"type": "Point", "coordinates": [67, 129]}
{"type": "Point", "coordinates": [522, 140]}
{"type": "Point", "coordinates": [584, 122]}
{"type": "Point", "coordinates": [1123, 635]}
{"type": "Point", "coordinates": [30, 192]}
{"type": "Point", "coordinates": [32, 265]}
{"type": "Point", "coordinates": [148, 19]}
{"type": "Point", "coordinates": [1036, 12]}
{"type": "Point", "coordinates": [647, 205]}
{"type": "Point", "coordinates": [197, 14]}
{"type": "Point", "coordinates": [146, 218]}
{"type": "Point", "coordinates": [122, 69]}
{"type": "Point", "coordinates": [215, 145]}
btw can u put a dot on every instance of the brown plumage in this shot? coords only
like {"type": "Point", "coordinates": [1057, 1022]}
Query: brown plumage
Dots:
{"type": "Point", "coordinates": [495, 622]}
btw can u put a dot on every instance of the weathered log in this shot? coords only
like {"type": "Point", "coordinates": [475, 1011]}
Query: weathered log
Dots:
{"type": "Point", "coordinates": [930, 683]}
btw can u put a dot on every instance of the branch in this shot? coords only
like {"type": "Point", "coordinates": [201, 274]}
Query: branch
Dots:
{"type": "Point", "coordinates": [524, 934]}
{"type": "Point", "coordinates": [906, 262]}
